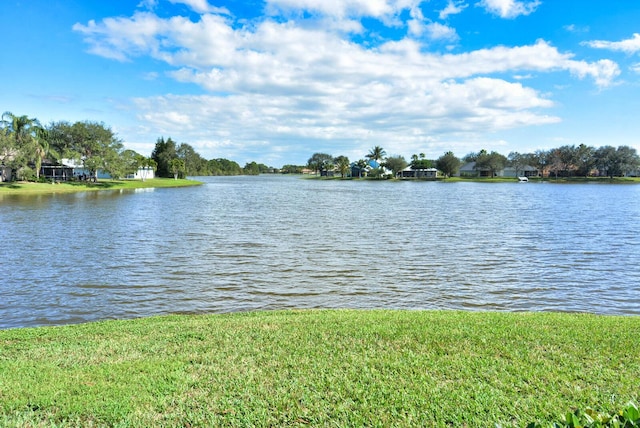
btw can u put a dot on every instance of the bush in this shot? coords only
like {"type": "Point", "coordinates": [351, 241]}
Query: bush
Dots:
{"type": "Point", "coordinates": [628, 417]}
{"type": "Point", "coordinates": [26, 174]}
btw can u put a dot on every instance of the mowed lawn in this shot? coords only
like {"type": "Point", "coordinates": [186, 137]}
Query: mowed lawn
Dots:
{"type": "Point", "coordinates": [28, 188]}
{"type": "Point", "coordinates": [320, 368]}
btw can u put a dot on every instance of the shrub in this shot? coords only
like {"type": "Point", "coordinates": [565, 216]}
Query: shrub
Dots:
{"type": "Point", "coordinates": [628, 417]}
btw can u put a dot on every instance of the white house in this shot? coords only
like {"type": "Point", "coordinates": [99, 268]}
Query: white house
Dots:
{"type": "Point", "coordinates": [143, 173]}
{"type": "Point", "coordinates": [409, 172]}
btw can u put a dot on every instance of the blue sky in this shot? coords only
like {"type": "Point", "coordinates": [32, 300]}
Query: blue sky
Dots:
{"type": "Point", "coordinates": [275, 81]}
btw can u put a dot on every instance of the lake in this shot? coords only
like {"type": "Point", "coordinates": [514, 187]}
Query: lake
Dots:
{"type": "Point", "coordinates": [275, 242]}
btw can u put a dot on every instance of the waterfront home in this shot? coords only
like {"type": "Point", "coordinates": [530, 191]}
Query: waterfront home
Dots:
{"type": "Point", "coordinates": [469, 170]}
{"type": "Point", "coordinates": [410, 172]}
{"type": "Point", "coordinates": [143, 173]}
{"type": "Point", "coordinates": [58, 171]}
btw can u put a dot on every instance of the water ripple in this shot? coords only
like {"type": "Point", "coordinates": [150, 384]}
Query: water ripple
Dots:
{"type": "Point", "coordinates": [248, 243]}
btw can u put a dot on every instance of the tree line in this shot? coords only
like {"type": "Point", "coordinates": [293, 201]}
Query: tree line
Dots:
{"type": "Point", "coordinates": [376, 162]}
{"type": "Point", "coordinates": [564, 161]}
{"type": "Point", "coordinates": [25, 144]}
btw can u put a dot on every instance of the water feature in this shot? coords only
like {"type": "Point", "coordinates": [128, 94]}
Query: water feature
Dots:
{"type": "Point", "coordinates": [271, 242]}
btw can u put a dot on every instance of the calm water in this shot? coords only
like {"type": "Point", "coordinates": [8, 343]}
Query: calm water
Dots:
{"type": "Point", "coordinates": [269, 242]}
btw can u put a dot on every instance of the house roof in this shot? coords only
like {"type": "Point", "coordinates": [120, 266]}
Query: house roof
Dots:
{"type": "Point", "coordinates": [409, 168]}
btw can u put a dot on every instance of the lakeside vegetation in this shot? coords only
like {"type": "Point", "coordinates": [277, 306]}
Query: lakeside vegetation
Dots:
{"type": "Point", "coordinates": [320, 368]}
{"type": "Point", "coordinates": [567, 161]}
{"type": "Point", "coordinates": [26, 146]}
{"type": "Point", "coordinates": [559, 180]}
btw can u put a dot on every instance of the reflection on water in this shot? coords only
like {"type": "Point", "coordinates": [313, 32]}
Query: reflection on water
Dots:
{"type": "Point", "coordinates": [268, 242]}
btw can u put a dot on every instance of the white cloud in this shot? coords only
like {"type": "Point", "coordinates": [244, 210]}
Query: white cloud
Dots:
{"type": "Point", "coordinates": [419, 26]}
{"type": "Point", "coordinates": [510, 8]}
{"type": "Point", "coordinates": [628, 46]}
{"type": "Point", "coordinates": [603, 71]}
{"type": "Point", "coordinates": [439, 31]}
{"type": "Point", "coordinates": [201, 6]}
{"type": "Point", "coordinates": [281, 82]}
{"type": "Point", "coordinates": [635, 67]}
{"type": "Point", "coordinates": [453, 8]}
{"type": "Point", "coordinates": [121, 38]}
{"type": "Point", "coordinates": [380, 9]}
{"type": "Point", "coordinates": [572, 28]}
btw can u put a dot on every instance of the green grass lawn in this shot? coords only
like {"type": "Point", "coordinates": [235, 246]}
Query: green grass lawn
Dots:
{"type": "Point", "coordinates": [27, 188]}
{"type": "Point", "coordinates": [319, 368]}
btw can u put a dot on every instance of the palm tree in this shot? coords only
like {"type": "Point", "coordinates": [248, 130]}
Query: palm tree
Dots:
{"type": "Point", "coordinates": [22, 128]}
{"type": "Point", "coordinates": [25, 133]}
{"type": "Point", "coordinates": [342, 162]}
{"type": "Point", "coordinates": [377, 154]}
{"type": "Point", "coordinates": [41, 148]}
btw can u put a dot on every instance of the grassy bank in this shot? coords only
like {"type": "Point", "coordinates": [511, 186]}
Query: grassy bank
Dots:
{"type": "Point", "coordinates": [28, 188]}
{"type": "Point", "coordinates": [319, 368]}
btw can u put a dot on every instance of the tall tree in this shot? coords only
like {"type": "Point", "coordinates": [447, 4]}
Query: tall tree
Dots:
{"type": "Point", "coordinates": [517, 161]}
{"type": "Point", "coordinates": [493, 162]}
{"type": "Point", "coordinates": [41, 149]}
{"type": "Point", "coordinates": [93, 144]}
{"type": "Point", "coordinates": [396, 164]}
{"type": "Point", "coordinates": [177, 168]}
{"type": "Point", "coordinates": [377, 154]}
{"type": "Point", "coordinates": [448, 164]}
{"type": "Point", "coordinates": [23, 132]}
{"type": "Point", "coordinates": [194, 163]}
{"type": "Point", "coordinates": [251, 168]}
{"type": "Point", "coordinates": [343, 164]}
{"type": "Point", "coordinates": [420, 162]}
{"type": "Point", "coordinates": [584, 159]}
{"type": "Point", "coordinates": [616, 162]}
{"type": "Point", "coordinates": [540, 160]}
{"type": "Point", "coordinates": [163, 153]}
{"type": "Point", "coordinates": [320, 162]}
{"type": "Point", "coordinates": [222, 166]}
{"type": "Point", "coordinates": [568, 157]}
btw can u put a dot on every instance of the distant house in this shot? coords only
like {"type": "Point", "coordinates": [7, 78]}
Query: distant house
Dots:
{"type": "Point", "coordinates": [469, 170]}
{"type": "Point", "coordinates": [409, 172]}
{"type": "Point", "coordinates": [70, 169]}
{"type": "Point", "coordinates": [143, 173]}
{"type": "Point", "coordinates": [58, 171]}
{"type": "Point", "coordinates": [523, 171]}
{"type": "Point", "coordinates": [358, 171]}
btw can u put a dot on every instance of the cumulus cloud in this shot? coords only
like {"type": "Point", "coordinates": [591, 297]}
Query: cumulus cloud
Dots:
{"type": "Point", "coordinates": [437, 31]}
{"type": "Point", "coordinates": [381, 9]}
{"type": "Point", "coordinates": [453, 8]}
{"type": "Point", "coordinates": [279, 81]}
{"type": "Point", "coordinates": [419, 27]}
{"type": "Point", "coordinates": [628, 46]}
{"type": "Point", "coordinates": [510, 8]}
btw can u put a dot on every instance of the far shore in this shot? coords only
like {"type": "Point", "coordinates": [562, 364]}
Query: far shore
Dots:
{"type": "Point", "coordinates": [559, 180]}
{"type": "Point", "coordinates": [30, 188]}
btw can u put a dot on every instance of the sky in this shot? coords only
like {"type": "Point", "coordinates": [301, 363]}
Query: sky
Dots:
{"type": "Point", "coordinates": [274, 81]}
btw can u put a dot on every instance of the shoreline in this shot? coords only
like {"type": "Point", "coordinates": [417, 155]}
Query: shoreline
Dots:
{"type": "Point", "coordinates": [31, 188]}
{"type": "Point", "coordinates": [551, 180]}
